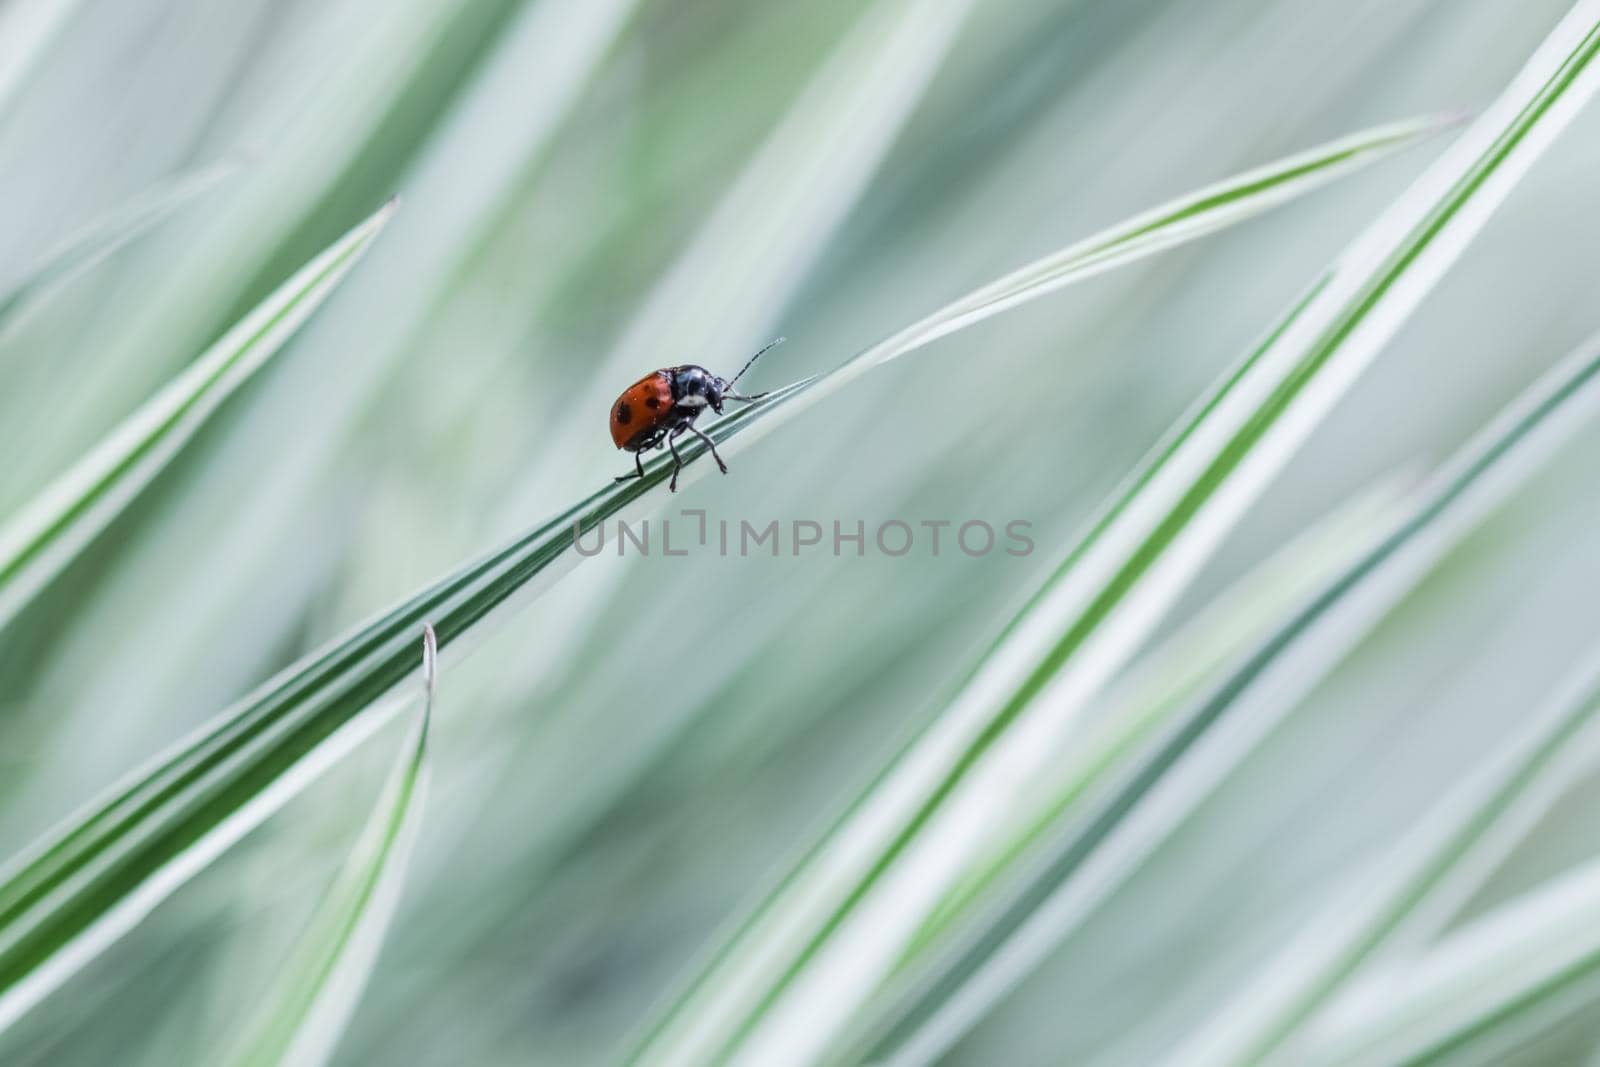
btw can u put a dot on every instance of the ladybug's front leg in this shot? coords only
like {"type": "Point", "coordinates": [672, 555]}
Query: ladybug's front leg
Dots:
{"type": "Point", "coordinates": [721, 466]}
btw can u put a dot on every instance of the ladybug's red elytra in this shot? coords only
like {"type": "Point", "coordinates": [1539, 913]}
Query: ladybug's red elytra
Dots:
{"type": "Point", "coordinates": [659, 408]}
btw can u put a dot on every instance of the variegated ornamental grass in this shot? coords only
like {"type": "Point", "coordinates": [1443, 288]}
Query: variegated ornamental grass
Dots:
{"type": "Point", "coordinates": [43, 537]}
{"type": "Point", "coordinates": [105, 871]}
{"type": "Point", "coordinates": [1088, 849]}
{"type": "Point", "coordinates": [794, 980]}
{"type": "Point", "coordinates": [1083, 736]}
{"type": "Point", "coordinates": [310, 1004]}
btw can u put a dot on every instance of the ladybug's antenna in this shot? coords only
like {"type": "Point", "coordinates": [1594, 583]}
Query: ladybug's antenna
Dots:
{"type": "Point", "coordinates": [758, 355]}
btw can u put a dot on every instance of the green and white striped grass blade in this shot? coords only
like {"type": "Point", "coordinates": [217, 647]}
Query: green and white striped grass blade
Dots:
{"type": "Point", "coordinates": [99, 874]}
{"type": "Point", "coordinates": [103, 236]}
{"type": "Point", "coordinates": [1120, 828]}
{"type": "Point", "coordinates": [1170, 678]}
{"type": "Point", "coordinates": [791, 979]}
{"type": "Point", "coordinates": [55, 526]}
{"type": "Point", "coordinates": [305, 1013]}
{"type": "Point", "coordinates": [1478, 993]}
{"type": "Point", "coordinates": [1466, 833]}
{"type": "Point", "coordinates": [1177, 222]}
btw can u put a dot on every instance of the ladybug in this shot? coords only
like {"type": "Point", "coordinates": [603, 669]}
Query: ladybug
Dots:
{"type": "Point", "coordinates": [661, 407]}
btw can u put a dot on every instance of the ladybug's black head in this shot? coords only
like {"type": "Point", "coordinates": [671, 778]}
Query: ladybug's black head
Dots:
{"type": "Point", "coordinates": [698, 386]}
{"type": "Point", "coordinates": [695, 387]}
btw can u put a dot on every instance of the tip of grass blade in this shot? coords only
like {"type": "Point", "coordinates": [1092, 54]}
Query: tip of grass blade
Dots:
{"type": "Point", "coordinates": [1434, 124]}
{"type": "Point", "coordinates": [1418, 128]}
{"type": "Point", "coordinates": [1403, 133]}
{"type": "Point", "coordinates": [430, 662]}
{"type": "Point", "coordinates": [369, 228]}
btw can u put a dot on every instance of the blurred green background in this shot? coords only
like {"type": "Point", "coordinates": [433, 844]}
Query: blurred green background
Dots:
{"type": "Point", "coordinates": [594, 188]}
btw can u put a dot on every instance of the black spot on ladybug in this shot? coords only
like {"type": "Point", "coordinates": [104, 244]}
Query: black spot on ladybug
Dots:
{"type": "Point", "coordinates": [652, 403]}
{"type": "Point", "coordinates": [625, 413]}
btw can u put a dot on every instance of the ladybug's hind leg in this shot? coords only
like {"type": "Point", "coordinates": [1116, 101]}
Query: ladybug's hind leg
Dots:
{"type": "Point", "coordinates": [721, 466]}
{"type": "Point", "coordinates": [638, 470]}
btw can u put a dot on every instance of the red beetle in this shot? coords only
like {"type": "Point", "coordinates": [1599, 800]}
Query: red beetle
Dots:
{"type": "Point", "coordinates": [659, 408]}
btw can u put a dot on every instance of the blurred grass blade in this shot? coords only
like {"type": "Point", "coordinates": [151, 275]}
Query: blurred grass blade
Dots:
{"type": "Point", "coordinates": [50, 530]}
{"type": "Point", "coordinates": [27, 28]}
{"type": "Point", "coordinates": [303, 1017]}
{"type": "Point", "coordinates": [1113, 835]}
{"type": "Point", "coordinates": [1171, 677]}
{"type": "Point", "coordinates": [1210, 209]}
{"type": "Point", "coordinates": [795, 976]}
{"type": "Point", "coordinates": [1205, 211]}
{"type": "Point", "coordinates": [1529, 770]}
{"type": "Point", "coordinates": [1475, 996]}
{"type": "Point", "coordinates": [103, 236]}
{"type": "Point", "coordinates": [97, 876]}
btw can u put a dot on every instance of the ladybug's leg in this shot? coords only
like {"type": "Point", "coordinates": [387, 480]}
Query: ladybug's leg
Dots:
{"type": "Point", "coordinates": [746, 399]}
{"type": "Point", "coordinates": [677, 460]}
{"type": "Point", "coordinates": [638, 470]}
{"type": "Point", "coordinates": [721, 466]}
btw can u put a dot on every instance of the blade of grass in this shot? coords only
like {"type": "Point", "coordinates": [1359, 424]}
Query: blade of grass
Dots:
{"type": "Point", "coordinates": [84, 886]}
{"type": "Point", "coordinates": [103, 236]}
{"type": "Point", "coordinates": [302, 1018]}
{"type": "Point", "coordinates": [1531, 767]}
{"type": "Point", "coordinates": [1174, 675]}
{"type": "Point", "coordinates": [1110, 838]}
{"type": "Point", "coordinates": [797, 973]}
{"type": "Point", "coordinates": [56, 525]}
{"type": "Point", "coordinates": [1168, 226]}
{"type": "Point", "coordinates": [1471, 996]}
